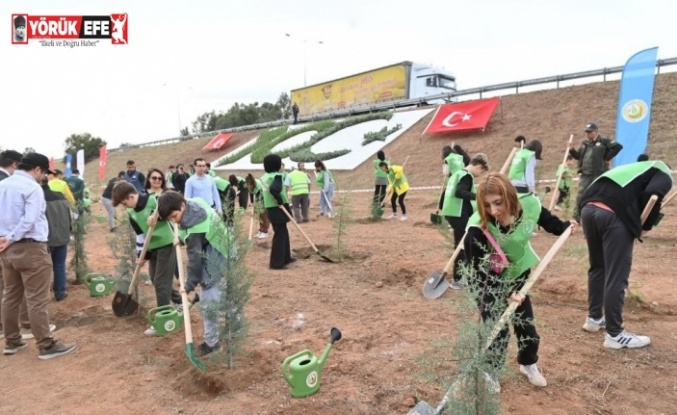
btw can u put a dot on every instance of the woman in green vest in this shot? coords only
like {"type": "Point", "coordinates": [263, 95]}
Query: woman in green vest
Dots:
{"type": "Point", "coordinates": [325, 182]}
{"type": "Point", "coordinates": [256, 198]}
{"type": "Point", "coordinates": [453, 159]}
{"type": "Point", "coordinates": [274, 200]}
{"type": "Point", "coordinates": [509, 220]}
{"type": "Point", "coordinates": [611, 209]}
{"type": "Point", "coordinates": [227, 194]}
{"type": "Point", "coordinates": [522, 172]}
{"type": "Point", "coordinates": [381, 183]}
{"type": "Point", "coordinates": [457, 204]}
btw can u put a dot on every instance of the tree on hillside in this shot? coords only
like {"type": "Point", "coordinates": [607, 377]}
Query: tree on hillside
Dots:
{"type": "Point", "coordinates": [85, 141]}
{"type": "Point", "coordinates": [284, 103]}
{"type": "Point", "coordinates": [184, 132]}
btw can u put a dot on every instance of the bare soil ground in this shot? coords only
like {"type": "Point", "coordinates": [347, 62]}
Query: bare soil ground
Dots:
{"type": "Point", "coordinates": [389, 329]}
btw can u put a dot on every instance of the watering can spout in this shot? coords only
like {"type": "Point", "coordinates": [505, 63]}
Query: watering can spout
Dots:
{"type": "Point", "coordinates": [335, 336]}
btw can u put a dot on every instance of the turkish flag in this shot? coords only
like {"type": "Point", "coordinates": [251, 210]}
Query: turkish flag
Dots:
{"type": "Point", "coordinates": [471, 115]}
{"type": "Point", "coordinates": [102, 163]}
{"type": "Point", "coordinates": [218, 142]}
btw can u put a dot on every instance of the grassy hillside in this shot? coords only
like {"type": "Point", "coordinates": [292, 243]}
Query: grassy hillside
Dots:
{"type": "Point", "coordinates": [547, 115]}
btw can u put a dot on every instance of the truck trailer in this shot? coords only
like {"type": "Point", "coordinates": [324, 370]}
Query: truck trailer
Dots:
{"type": "Point", "coordinates": [401, 81]}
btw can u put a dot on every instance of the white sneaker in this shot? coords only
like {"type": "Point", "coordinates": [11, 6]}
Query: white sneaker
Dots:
{"type": "Point", "coordinates": [150, 331]}
{"type": "Point", "coordinates": [534, 375]}
{"type": "Point", "coordinates": [458, 285]}
{"type": "Point", "coordinates": [261, 235]}
{"type": "Point", "coordinates": [593, 325]}
{"type": "Point", "coordinates": [393, 216]}
{"type": "Point", "coordinates": [626, 340]}
{"type": "Point", "coordinates": [492, 384]}
{"type": "Point", "coordinates": [403, 218]}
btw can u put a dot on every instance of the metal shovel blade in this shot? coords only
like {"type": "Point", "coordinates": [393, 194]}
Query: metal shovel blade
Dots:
{"type": "Point", "coordinates": [422, 408]}
{"type": "Point", "coordinates": [436, 219]}
{"type": "Point", "coordinates": [124, 305]}
{"type": "Point", "coordinates": [435, 285]}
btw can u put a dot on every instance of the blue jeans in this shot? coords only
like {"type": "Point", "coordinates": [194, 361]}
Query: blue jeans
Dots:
{"type": "Point", "coordinates": [59, 254]}
{"type": "Point", "coordinates": [324, 206]}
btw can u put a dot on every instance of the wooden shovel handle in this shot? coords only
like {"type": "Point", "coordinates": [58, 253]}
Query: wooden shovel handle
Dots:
{"type": "Point", "coordinates": [299, 228]}
{"type": "Point", "coordinates": [182, 282]}
{"type": "Point", "coordinates": [555, 194]}
{"type": "Point", "coordinates": [668, 199]}
{"type": "Point", "coordinates": [146, 243]}
{"type": "Point", "coordinates": [450, 265]}
{"type": "Point", "coordinates": [528, 284]}
{"type": "Point", "coordinates": [647, 209]}
{"type": "Point", "coordinates": [506, 165]}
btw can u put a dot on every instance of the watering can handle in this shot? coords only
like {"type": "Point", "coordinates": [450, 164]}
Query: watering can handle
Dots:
{"type": "Point", "coordinates": [288, 360]}
{"type": "Point", "coordinates": [153, 311]}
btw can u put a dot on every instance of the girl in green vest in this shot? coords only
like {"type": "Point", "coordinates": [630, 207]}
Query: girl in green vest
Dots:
{"type": "Point", "coordinates": [457, 203]}
{"type": "Point", "coordinates": [611, 209]}
{"type": "Point", "coordinates": [509, 220]}
{"type": "Point", "coordinates": [522, 172]}
{"type": "Point", "coordinates": [325, 182]}
{"type": "Point", "coordinates": [381, 183]}
{"type": "Point", "coordinates": [256, 198]}
{"type": "Point", "coordinates": [399, 186]}
{"type": "Point", "coordinates": [453, 160]}
{"type": "Point", "coordinates": [274, 200]}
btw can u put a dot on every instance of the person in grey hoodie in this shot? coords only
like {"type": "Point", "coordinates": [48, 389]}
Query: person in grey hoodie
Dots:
{"type": "Point", "coordinates": [59, 221]}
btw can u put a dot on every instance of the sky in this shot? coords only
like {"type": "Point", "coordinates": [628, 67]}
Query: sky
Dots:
{"type": "Point", "coordinates": [185, 58]}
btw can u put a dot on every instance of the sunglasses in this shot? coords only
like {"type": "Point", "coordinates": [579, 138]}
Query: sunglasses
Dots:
{"type": "Point", "coordinates": [155, 178]}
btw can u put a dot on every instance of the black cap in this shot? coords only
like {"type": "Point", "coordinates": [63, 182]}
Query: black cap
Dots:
{"type": "Point", "coordinates": [591, 127]}
{"type": "Point", "coordinates": [36, 160]}
{"type": "Point", "coordinates": [19, 21]}
{"type": "Point", "coordinates": [11, 155]}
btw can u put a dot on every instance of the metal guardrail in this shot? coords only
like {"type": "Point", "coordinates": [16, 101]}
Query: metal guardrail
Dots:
{"type": "Point", "coordinates": [392, 105]}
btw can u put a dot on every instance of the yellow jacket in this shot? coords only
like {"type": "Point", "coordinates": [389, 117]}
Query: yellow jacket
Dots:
{"type": "Point", "coordinates": [58, 185]}
{"type": "Point", "coordinates": [397, 179]}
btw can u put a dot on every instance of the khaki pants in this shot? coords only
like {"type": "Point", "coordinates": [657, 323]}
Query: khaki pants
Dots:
{"type": "Point", "coordinates": [23, 319]}
{"type": "Point", "coordinates": [27, 274]}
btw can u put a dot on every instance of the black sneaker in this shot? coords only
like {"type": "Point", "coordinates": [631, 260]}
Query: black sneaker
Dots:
{"type": "Point", "coordinates": [204, 349]}
{"type": "Point", "coordinates": [57, 349]}
{"type": "Point", "coordinates": [12, 348]}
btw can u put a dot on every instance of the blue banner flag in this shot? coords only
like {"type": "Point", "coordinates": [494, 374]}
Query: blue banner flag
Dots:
{"type": "Point", "coordinates": [69, 159]}
{"type": "Point", "coordinates": [634, 105]}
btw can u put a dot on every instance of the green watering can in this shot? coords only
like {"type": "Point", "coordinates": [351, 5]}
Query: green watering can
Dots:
{"type": "Point", "coordinates": [165, 319]}
{"type": "Point", "coordinates": [99, 285]}
{"type": "Point", "coordinates": [302, 370]}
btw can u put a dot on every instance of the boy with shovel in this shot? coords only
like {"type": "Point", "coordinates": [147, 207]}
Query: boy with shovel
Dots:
{"type": "Point", "coordinates": [211, 248]}
{"type": "Point", "coordinates": [161, 254]}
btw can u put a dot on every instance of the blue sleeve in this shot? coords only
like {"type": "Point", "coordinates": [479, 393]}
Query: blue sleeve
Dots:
{"type": "Point", "coordinates": [217, 198]}
{"type": "Point", "coordinates": [32, 211]}
{"type": "Point", "coordinates": [188, 191]}
{"type": "Point", "coordinates": [530, 174]}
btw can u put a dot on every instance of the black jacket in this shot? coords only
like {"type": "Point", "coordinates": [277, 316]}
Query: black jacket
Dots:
{"type": "Point", "coordinates": [275, 214]}
{"type": "Point", "coordinates": [603, 151]}
{"type": "Point", "coordinates": [628, 202]}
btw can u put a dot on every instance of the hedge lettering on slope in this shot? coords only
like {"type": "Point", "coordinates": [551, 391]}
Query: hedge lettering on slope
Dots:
{"type": "Point", "coordinates": [379, 135]}
{"type": "Point", "coordinates": [262, 140]}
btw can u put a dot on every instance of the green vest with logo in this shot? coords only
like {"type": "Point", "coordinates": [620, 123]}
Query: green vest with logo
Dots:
{"type": "Point", "coordinates": [221, 184]}
{"type": "Point", "coordinates": [162, 235]}
{"type": "Point", "coordinates": [322, 176]}
{"type": "Point", "coordinates": [622, 175]}
{"type": "Point", "coordinates": [455, 163]}
{"type": "Point", "coordinates": [516, 244]}
{"type": "Point", "coordinates": [212, 226]}
{"type": "Point", "coordinates": [452, 205]}
{"type": "Point", "coordinates": [518, 168]}
{"type": "Point", "coordinates": [565, 182]}
{"type": "Point", "coordinates": [298, 182]}
{"type": "Point", "coordinates": [377, 169]}
{"type": "Point", "coordinates": [268, 199]}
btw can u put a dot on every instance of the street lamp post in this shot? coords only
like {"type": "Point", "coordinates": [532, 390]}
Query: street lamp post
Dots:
{"type": "Point", "coordinates": [178, 102]}
{"type": "Point", "coordinates": [305, 63]}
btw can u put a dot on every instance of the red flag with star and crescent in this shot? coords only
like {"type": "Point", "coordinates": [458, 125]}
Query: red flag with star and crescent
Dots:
{"type": "Point", "coordinates": [102, 163]}
{"type": "Point", "coordinates": [471, 115]}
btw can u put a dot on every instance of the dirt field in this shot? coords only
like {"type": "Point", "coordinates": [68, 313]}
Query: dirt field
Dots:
{"type": "Point", "coordinates": [375, 298]}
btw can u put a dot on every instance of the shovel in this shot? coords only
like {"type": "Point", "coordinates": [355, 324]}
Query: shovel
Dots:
{"type": "Point", "coordinates": [123, 304]}
{"type": "Point", "coordinates": [436, 284]}
{"type": "Point", "coordinates": [423, 408]}
{"type": "Point", "coordinates": [326, 200]}
{"type": "Point", "coordinates": [251, 223]}
{"type": "Point", "coordinates": [391, 190]}
{"type": "Point", "coordinates": [190, 351]}
{"type": "Point", "coordinates": [555, 195]}
{"type": "Point", "coordinates": [317, 251]}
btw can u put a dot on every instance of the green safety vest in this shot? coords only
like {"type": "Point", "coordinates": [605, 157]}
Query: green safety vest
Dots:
{"type": "Point", "coordinates": [212, 173]}
{"type": "Point", "coordinates": [377, 169]}
{"type": "Point", "coordinates": [258, 196]}
{"type": "Point", "coordinates": [298, 182]}
{"type": "Point", "coordinates": [516, 244]}
{"type": "Point", "coordinates": [622, 175]}
{"type": "Point", "coordinates": [221, 184]}
{"type": "Point", "coordinates": [455, 163]}
{"type": "Point", "coordinates": [452, 205]}
{"type": "Point", "coordinates": [321, 176]}
{"type": "Point", "coordinates": [565, 183]}
{"type": "Point", "coordinates": [268, 199]}
{"type": "Point", "coordinates": [162, 234]}
{"type": "Point", "coordinates": [212, 226]}
{"type": "Point", "coordinates": [518, 168]}
{"type": "Point", "coordinates": [473, 202]}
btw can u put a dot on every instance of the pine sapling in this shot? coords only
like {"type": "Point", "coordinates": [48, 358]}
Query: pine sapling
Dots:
{"type": "Point", "coordinates": [78, 261]}
{"type": "Point", "coordinates": [342, 219]}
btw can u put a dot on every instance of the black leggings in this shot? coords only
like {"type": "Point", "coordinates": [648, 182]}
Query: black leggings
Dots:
{"type": "Point", "coordinates": [380, 193]}
{"type": "Point", "coordinates": [400, 200]}
{"type": "Point", "coordinates": [458, 225]}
